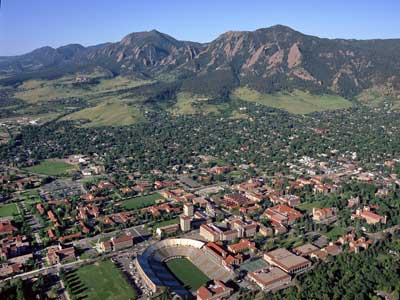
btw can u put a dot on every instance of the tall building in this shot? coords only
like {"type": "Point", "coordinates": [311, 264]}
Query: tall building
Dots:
{"type": "Point", "coordinates": [185, 222]}
{"type": "Point", "coordinates": [188, 209]}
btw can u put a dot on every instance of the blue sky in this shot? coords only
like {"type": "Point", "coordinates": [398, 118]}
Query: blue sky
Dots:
{"type": "Point", "coordinates": [29, 24]}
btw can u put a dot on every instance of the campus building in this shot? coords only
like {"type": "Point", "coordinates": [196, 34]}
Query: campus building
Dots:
{"type": "Point", "coordinates": [271, 279]}
{"type": "Point", "coordinates": [287, 261]}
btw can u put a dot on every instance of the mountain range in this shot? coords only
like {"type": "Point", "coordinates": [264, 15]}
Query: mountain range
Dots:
{"type": "Point", "coordinates": [267, 60]}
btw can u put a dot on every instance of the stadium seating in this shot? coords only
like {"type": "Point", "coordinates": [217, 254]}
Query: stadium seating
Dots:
{"type": "Point", "coordinates": [155, 273]}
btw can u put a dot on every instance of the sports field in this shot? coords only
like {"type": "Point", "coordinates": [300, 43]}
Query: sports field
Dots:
{"type": "Point", "coordinates": [143, 201]}
{"type": "Point", "coordinates": [254, 265]}
{"type": "Point", "coordinates": [99, 281]}
{"type": "Point", "coordinates": [8, 210]}
{"type": "Point", "coordinates": [187, 273]}
{"type": "Point", "coordinates": [51, 167]}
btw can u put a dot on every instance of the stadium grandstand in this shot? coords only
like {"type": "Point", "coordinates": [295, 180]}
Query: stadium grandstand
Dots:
{"type": "Point", "coordinates": [153, 271]}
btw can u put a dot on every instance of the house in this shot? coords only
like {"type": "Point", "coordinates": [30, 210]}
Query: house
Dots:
{"type": "Point", "coordinates": [305, 250]}
{"type": "Point", "coordinates": [265, 231]}
{"type": "Point", "coordinates": [370, 217]}
{"type": "Point", "coordinates": [122, 242]}
{"type": "Point", "coordinates": [271, 279]}
{"type": "Point", "coordinates": [324, 215]}
{"type": "Point", "coordinates": [218, 252]}
{"type": "Point", "coordinates": [220, 170]}
{"type": "Point", "coordinates": [6, 270]}
{"type": "Point", "coordinates": [290, 200]}
{"type": "Point", "coordinates": [40, 208]}
{"type": "Point", "coordinates": [287, 261]}
{"type": "Point", "coordinates": [361, 243]}
{"type": "Point", "coordinates": [6, 228]}
{"type": "Point", "coordinates": [215, 290]}
{"type": "Point", "coordinates": [57, 254]}
{"type": "Point", "coordinates": [210, 232]}
{"type": "Point", "coordinates": [237, 200]}
{"type": "Point", "coordinates": [242, 246]}
{"type": "Point", "coordinates": [51, 234]}
{"type": "Point", "coordinates": [332, 249]}
{"type": "Point", "coordinates": [13, 246]}
{"type": "Point", "coordinates": [319, 255]}
{"type": "Point", "coordinates": [105, 246]}
{"type": "Point", "coordinates": [53, 218]}
{"type": "Point", "coordinates": [353, 202]}
{"type": "Point", "coordinates": [166, 230]}
{"type": "Point", "coordinates": [354, 245]}
{"type": "Point", "coordinates": [282, 214]}
{"type": "Point", "coordinates": [245, 228]}
{"type": "Point", "coordinates": [70, 237]}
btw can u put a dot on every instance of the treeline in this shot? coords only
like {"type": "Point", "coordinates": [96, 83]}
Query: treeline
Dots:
{"type": "Point", "coordinates": [360, 276]}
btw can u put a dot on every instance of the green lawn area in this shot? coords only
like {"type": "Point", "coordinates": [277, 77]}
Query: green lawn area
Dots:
{"type": "Point", "coordinates": [7, 210]}
{"type": "Point", "coordinates": [51, 167]}
{"type": "Point", "coordinates": [165, 223]}
{"type": "Point", "coordinates": [335, 232]}
{"type": "Point", "coordinates": [191, 277]}
{"type": "Point", "coordinates": [143, 201]}
{"type": "Point", "coordinates": [34, 91]}
{"type": "Point", "coordinates": [308, 206]}
{"type": "Point", "coordinates": [297, 102]}
{"type": "Point", "coordinates": [100, 281]}
{"type": "Point", "coordinates": [108, 114]}
{"type": "Point", "coordinates": [191, 104]}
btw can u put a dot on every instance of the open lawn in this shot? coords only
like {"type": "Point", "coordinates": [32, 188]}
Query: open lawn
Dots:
{"type": "Point", "coordinates": [107, 114]}
{"type": "Point", "coordinates": [308, 206]}
{"type": "Point", "coordinates": [165, 223]}
{"type": "Point", "coordinates": [51, 167]}
{"type": "Point", "coordinates": [99, 281]}
{"type": "Point", "coordinates": [335, 232]}
{"type": "Point", "coordinates": [7, 210]}
{"type": "Point", "coordinates": [187, 273]}
{"type": "Point", "coordinates": [143, 201]}
{"type": "Point", "coordinates": [297, 102]}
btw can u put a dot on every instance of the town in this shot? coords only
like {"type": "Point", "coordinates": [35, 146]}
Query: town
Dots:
{"type": "Point", "coordinates": [181, 150]}
{"type": "Point", "coordinates": [246, 239]}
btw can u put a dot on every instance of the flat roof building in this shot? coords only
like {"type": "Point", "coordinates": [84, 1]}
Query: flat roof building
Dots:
{"type": "Point", "coordinates": [305, 250]}
{"type": "Point", "coordinates": [287, 261]}
{"type": "Point", "coordinates": [272, 279]}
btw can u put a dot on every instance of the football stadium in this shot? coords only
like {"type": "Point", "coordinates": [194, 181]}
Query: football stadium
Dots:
{"type": "Point", "coordinates": [153, 264]}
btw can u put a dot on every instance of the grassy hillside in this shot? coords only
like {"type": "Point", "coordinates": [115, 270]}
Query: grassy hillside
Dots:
{"type": "Point", "coordinates": [107, 114]}
{"type": "Point", "coordinates": [189, 104]}
{"type": "Point", "coordinates": [297, 102]}
{"type": "Point", "coordinates": [44, 90]}
{"type": "Point", "coordinates": [378, 97]}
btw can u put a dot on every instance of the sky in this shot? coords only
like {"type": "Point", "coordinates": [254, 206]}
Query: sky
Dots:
{"type": "Point", "coordinates": [29, 24]}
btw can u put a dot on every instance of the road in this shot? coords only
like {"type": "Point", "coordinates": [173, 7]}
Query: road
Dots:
{"type": "Point", "coordinates": [137, 248]}
{"type": "Point", "coordinates": [381, 234]}
{"type": "Point", "coordinates": [139, 233]}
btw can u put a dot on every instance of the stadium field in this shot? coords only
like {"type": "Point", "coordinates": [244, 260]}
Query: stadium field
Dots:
{"type": "Point", "coordinates": [187, 273]}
